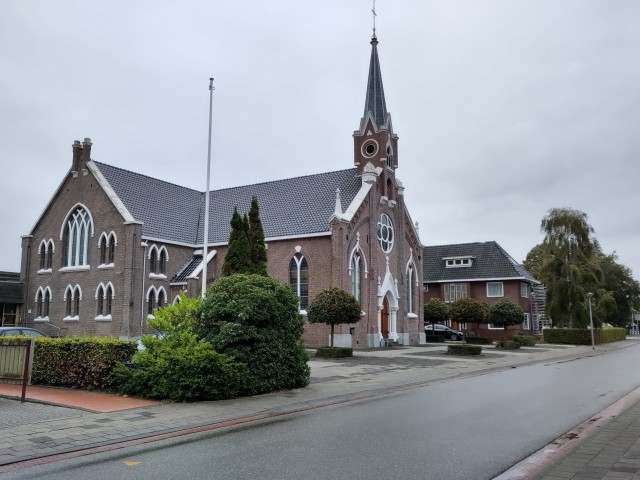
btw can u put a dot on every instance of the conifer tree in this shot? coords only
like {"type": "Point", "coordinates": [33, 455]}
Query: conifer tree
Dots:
{"type": "Point", "coordinates": [238, 258]}
{"type": "Point", "coordinates": [256, 240]}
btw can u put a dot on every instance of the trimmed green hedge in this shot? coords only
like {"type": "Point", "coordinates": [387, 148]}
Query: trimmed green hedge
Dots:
{"type": "Point", "coordinates": [525, 340]}
{"type": "Point", "coordinates": [463, 349]}
{"type": "Point", "coordinates": [580, 336]}
{"type": "Point", "coordinates": [507, 344]}
{"type": "Point", "coordinates": [478, 340]}
{"type": "Point", "coordinates": [79, 362]}
{"type": "Point", "coordinates": [334, 352]}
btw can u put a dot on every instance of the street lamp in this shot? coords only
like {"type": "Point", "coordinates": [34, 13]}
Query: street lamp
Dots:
{"type": "Point", "coordinates": [593, 344]}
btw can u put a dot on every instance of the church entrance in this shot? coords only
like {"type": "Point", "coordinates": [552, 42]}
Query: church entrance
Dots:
{"type": "Point", "coordinates": [384, 319]}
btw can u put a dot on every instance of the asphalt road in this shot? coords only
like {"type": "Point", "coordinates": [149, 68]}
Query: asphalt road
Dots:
{"type": "Point", "coordinates": [471, 428]}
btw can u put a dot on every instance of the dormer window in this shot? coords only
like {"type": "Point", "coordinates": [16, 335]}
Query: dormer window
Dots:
{"type": "Point", "coordinates": [457, 262]}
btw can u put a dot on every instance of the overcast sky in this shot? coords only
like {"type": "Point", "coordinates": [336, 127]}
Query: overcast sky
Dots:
{"type": "Point", "coordinates": [504, 109]}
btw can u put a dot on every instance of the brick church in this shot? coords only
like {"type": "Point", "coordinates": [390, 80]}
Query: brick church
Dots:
{"type": "Point", "coordinates": [112, 245]}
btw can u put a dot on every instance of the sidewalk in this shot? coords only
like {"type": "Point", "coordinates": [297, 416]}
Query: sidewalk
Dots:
{"type": "Point", "coordinates": [115, 422]}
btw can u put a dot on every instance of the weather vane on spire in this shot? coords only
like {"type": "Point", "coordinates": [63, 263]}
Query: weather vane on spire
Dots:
{"type": "Point", "coordinates": [373, 10]}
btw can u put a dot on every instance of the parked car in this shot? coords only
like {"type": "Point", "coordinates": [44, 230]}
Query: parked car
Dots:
{"type": "Point", "coordinates": [447, 332]}
{"type": "Point", "coordinates": [16, 331]}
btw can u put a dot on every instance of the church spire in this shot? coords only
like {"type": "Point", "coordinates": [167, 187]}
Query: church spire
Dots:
{"type": "Point", "coordinates": [375, 103]}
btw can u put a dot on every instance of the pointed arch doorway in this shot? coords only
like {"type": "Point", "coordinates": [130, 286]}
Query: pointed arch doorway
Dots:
{"type": "Point", "coordinates": [384, 319]}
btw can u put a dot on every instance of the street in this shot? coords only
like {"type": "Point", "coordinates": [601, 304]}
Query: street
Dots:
{"type": "Point", "coordinates": [470, 428]}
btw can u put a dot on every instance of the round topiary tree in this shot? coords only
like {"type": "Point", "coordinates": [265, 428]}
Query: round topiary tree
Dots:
{"type": "Point", "coordinates": [334, 306]}
{"type": "Point", "coordinates": [436, 311]}
{"type": "Point", "coordinates": [255, 320]}
{"type": "Point", "coordinates": [469, 310]}
{"type": "Point", "coordinates": [505, 312]}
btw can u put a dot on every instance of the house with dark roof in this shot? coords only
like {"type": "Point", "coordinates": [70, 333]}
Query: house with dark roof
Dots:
{"type": "Point", "coordinates": [483, 271]}
{"type": "Point", "coordinates": [112, 245]}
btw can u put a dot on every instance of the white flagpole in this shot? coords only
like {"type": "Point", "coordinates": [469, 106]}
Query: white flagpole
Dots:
{"type": "Point", "coordinates": [205, 241]}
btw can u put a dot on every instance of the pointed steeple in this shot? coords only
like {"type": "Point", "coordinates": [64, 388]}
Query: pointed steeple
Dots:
{"type": "Point", "coordinates": [374, 102]}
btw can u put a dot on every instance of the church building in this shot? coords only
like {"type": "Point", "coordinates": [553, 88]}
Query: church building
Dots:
{"type": "Point", "coordinates": [113, 245]}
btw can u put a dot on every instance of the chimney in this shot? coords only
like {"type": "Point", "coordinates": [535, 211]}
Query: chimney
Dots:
{"type": "Point", "coordinates": [77, 152]}
{"type": "Point", "coordinates": [86, 150]}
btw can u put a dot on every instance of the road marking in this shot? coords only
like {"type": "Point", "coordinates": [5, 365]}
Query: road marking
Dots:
{"type": "Point", "coordinates": [131, 464]}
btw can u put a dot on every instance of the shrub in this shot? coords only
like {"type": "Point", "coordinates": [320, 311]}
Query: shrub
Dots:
{"type": "Point", "coordinates": [334, 306]}
{"type": "Point", "coordinates": [334, 352]}
{"type": "Point", "coordinates": [478, 340]}
{"type": "Point", "coordinates": [254, 320]}
{"type": "Point", "coordinates": [463, 349]}
{"type": "Point", "coordinates": [182, 368]}
{"type": "Point", "coordinates": [582, 336]}
{"type": "Point", "coordinates": [525, 340]}
{"type": "Point", "coordinates": [435, 338]}
{"type": "Point", "coordinates": [507, 344]}
{"type": "Point", "coordinates": [436, 311]}
{"type": "Point", "coordinates": [79, 362]}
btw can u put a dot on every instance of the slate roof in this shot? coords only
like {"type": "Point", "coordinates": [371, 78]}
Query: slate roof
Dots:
{"type": "Point", "coordinates": [187, 269]}
{"type": "Point", "coordinates": [288, 207]}
{"type": "Point", "coordinates": [375, 102]}
{"type": "Point", "coordinates": [490, 261]}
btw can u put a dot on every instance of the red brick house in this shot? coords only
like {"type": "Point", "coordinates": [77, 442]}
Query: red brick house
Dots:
{"type": "Point", "coordinates": [113, 244]}
{"type": "Point", "coordinates": [482, 271]}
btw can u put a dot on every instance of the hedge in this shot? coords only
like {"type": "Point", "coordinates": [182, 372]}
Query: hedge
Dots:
{"type": "Point", "coordinates": [334, 352]}
{"type": "Point", "coordinates": [479, 340]}
{"type": "Point", "coordinates": [463, 349]}
{"type": "Point", "coordinates": [79, 362]}
{"type": "Point", "coordinates": [581, 336]}
{"type": "Point", "coordinates": [524, 340]}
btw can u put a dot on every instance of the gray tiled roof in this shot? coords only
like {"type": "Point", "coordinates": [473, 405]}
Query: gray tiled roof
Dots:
{"type": "Point", "coordinates": [187, 269]}
{"type": "Point", "coordinates": [293, 206]}
{"type": "Point", "coordinates": [375, 102]}
{"type": "Point", "coordinates": [490, 261]}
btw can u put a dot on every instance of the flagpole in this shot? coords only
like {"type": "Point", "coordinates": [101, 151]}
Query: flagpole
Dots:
{"type": "Point", "coordinates": [205, 241]}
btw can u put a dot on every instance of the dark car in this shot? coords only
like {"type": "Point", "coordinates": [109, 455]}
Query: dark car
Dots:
{"type": "Point", "coordinates": [446, 332]}
{"type": "Point", "coordinates": [20, 331]}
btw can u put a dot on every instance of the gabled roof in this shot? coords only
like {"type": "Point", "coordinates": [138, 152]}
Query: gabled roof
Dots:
{"type": "Point", "coordinates": [289, 207]}
{"type": "Point", "coordinates": [490, 261]}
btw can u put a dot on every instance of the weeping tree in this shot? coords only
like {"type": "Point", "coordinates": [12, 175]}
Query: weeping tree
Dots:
{"type": "Point", "coordinates": [570, 268]}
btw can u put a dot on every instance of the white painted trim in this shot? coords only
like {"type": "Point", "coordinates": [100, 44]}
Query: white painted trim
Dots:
{"type": "Point", "coordinates": [76, 268]}
{"type": "Point", "coordinates": [488, 279]}
{"type": "Point", "coordinates": [353, 207]}
{"type": "Point", "coordinates": [110, 192]}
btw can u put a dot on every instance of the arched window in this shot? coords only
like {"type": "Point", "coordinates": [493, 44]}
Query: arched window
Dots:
{"type": "Point", "coordinates": [75, 238]}
{"type": "Point", "coordinates": [107, 248]}
{"type": "Point", "coordinates": [356, 276]}
{"type": "Point", "coordinates": [156, 298]}
{"type": "Point", "coordinates": [45, 252]}
{"type": "Point", "coordinates": [299, 279]}
{"type": "Point", "coordinates": [43, 298]}
{"type": "Point", "coordinates": [162, 261]}
{"type": "Point", "coordinates": [158, 261]}
{"type": "Point", "coordinates": [72, 297]}
{"type": "Point", "coordinates": [411, 278]}
{"type": "Point", "coordinates": [153, 260]}
{"type": "Point", "coordinates": [104, 297]}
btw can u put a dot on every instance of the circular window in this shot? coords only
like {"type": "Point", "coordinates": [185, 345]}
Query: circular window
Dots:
{"type": "Point", "coordinates": [385, 233]}
{"type": "Point", "coordinates": [369, 148]}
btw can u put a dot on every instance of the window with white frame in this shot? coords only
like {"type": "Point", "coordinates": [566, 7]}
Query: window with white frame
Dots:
{"type": "Point", "coordinates": [356, 276]}
{"type": "Point", "coordinates": [526, 322]}
{"type": "Point", "coordinates": [107, 248]}
{"type": "Point", "coordinates": [104, 297]}
{"type": "Point", "coordinates": [454, 291]}
{"type": "Point", "coordinates": [384, 233]}
{"type": "Point", "coordinates": [524, 290]}
{"type": "Point", "coordinates": [72, 297]}
{"type": "Point", "coordinates": [156, 298]}
{"type": "Point", "coordinates": [458, 262]}
{"type": "Point", "coordinates": [495, 289]}
{"type": "Point", "coordinates": [43, 299]}
{"type": "Point", "coordinates": [299, 279]}
{"type": "Point", "coordinates": [158, 261]}
{"type": "Point", "coordinates": [411, 278]}
{"type": "Point", "coordinates": [45, 252]}
{"type": "Point", "coordinates": [75, 238]}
